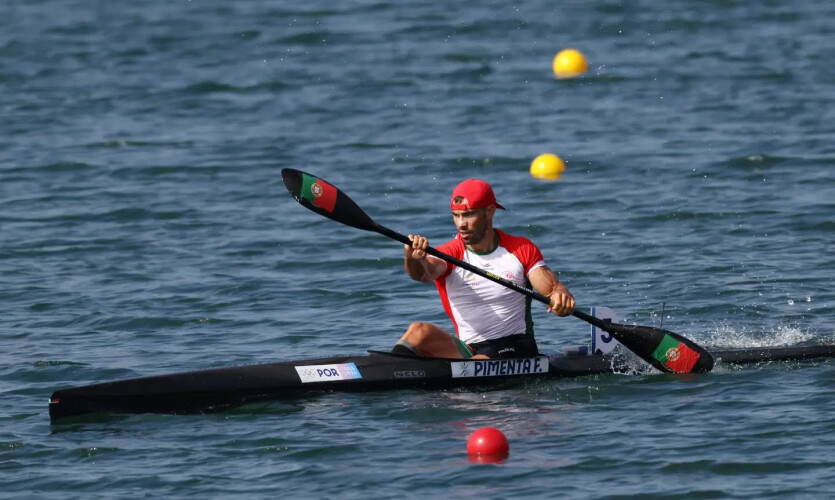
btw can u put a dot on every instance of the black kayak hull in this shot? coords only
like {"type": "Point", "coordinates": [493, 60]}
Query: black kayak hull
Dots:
{"type": "Point", "coordinates": [221, 388]}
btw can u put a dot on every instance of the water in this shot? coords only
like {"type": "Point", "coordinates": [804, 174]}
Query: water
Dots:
{"type": "Point", "coordinates": [144, 229]}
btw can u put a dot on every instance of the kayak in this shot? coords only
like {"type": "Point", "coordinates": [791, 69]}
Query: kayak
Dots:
{"type": "Point", "coordinates": [217, 389]}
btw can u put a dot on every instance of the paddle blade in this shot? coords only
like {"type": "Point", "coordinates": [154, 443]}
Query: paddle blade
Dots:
{"type": "Point", "coordinates": [325, 199]}
{"type": "Point", "coordinates": [665, 350]}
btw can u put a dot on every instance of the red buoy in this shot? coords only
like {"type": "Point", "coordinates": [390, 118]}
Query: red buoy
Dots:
{"type": "Point", "coordinates": [487, 444]}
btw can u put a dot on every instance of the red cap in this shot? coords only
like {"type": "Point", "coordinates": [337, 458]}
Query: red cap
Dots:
{"type": "Point", "coordinates": [478, 193]}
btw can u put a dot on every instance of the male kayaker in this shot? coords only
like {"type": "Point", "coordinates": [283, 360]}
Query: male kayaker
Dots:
{"type": "Point", "coordinates": [490, 320]}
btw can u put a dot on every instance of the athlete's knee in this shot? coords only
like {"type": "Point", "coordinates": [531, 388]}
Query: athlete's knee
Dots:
{"type": "Point", "coordinates": [418, 332]}
{"type": "Point", "coordinates": [423, 333]}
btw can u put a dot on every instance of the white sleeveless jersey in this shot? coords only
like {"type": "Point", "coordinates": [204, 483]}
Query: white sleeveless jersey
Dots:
{"type": "Point", "coordinates": [479, 308]}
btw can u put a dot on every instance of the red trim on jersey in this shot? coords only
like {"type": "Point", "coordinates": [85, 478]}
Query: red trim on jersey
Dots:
{"type": "Point", "coordinates": [454, 248]}
{"type": "Point", "coordinates": [524, 250]}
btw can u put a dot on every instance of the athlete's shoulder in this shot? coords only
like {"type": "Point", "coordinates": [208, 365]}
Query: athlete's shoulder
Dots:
{"type": "Point", "coordinates": [454, 247]}
{"type": "Point", "coordinates": [524, 249]}
{"type": "Point", "coordinates": [513, 243]}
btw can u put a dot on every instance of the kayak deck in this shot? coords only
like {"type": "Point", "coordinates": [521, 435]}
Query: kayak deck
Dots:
{"type": "Point", "coordinates": [221, 388]}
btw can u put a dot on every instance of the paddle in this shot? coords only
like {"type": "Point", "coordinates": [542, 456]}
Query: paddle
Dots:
{"type": "Point", "coordinates": [665, 350]}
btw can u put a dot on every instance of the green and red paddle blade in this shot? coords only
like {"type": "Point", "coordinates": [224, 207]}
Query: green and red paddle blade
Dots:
{"type": "Point", "coordinates": [676, 353]}
{"type": "Point", "coordinates": [665, 350]}
{"type": "Point", "coordinates": [325, 199]}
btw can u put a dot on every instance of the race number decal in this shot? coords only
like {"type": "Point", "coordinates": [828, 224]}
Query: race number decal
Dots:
{"type": "Point", "coordinates": [602, 342]}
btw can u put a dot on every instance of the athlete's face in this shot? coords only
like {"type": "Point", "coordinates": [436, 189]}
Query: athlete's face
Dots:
{"type": "Point", "coordinates": [472, 224]}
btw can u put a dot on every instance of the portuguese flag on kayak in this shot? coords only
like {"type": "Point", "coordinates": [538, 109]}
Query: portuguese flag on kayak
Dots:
{"type": "Point", "coordinates": [675, 355]}
{"type": "Point", "coordinates": [318, 192]}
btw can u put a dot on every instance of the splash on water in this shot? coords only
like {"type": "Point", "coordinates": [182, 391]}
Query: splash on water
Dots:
{"type": "Point", "coordinates": [737, 338]}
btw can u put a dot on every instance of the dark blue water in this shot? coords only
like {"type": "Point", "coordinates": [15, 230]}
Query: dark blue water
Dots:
{"type": "Point", "coordinates": [145, 229]}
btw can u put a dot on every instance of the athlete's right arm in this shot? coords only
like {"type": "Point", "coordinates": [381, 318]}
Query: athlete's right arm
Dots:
{"type": "Point", "coordinates": [419, 265]}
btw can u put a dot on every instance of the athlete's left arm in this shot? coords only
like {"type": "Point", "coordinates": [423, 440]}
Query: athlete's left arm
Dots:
{"type": "Point", "coordinates": [545, 282]}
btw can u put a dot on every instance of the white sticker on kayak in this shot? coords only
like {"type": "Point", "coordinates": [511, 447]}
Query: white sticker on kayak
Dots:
{"type": "Point", "coordinates": [602, 342]}
{"type": "Point", "coordinates": [324, 373]}
{"type": "Point", "coordinates": [499, 367]}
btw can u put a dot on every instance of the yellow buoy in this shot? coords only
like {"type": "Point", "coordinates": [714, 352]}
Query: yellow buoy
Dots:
{"type": "Point", "coordinates": [569, 63]}
{"type": "Point", "coordinates": [547, 166]}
